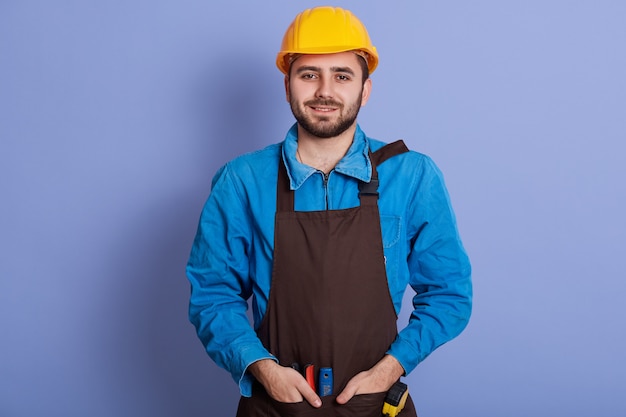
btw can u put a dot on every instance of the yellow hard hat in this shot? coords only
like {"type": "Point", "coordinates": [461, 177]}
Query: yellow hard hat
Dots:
{"type": "Point", "coordinates": [326, 30]}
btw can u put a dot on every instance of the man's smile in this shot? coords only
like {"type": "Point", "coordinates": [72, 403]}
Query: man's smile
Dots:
{"type": "Point", "coordinates": [323, 109]}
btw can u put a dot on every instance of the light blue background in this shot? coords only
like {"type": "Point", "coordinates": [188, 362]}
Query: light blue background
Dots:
{"type": "Point", "coordinates": [114, 116]}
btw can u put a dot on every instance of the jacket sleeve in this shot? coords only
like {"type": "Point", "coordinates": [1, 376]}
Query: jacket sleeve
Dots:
{"type": "Point", "coordinates": [439, 271]}
{"type": "Point", "coordinates": [220, 285]}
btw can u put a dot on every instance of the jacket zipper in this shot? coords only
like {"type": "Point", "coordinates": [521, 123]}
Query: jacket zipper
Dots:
{"type": "Point", "coordinates": [325, 175]}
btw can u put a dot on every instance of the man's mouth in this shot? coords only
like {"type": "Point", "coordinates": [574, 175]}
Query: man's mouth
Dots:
{"type": "Point", "coordinates": [323, 107]}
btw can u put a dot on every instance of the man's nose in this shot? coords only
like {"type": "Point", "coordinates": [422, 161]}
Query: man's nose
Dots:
{"type": "Point", "coordinates": [324, 87]}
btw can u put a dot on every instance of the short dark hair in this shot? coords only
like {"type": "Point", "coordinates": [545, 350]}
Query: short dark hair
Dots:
{"type": "Point", "coordinates": [364, 67]}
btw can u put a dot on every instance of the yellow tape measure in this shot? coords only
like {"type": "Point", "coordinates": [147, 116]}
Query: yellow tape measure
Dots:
{"type": "Point", "coordinates": [395, 399]}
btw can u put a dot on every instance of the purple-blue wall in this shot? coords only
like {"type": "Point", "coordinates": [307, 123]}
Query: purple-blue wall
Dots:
{"type": "Point", "coordinates": [114, 116]}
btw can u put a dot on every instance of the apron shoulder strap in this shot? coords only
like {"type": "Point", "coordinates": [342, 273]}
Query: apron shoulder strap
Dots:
{"type": "Point", "coordinates": [391, 149]}
{"type": "Point", "coordinates": [368, 191]}
{"type": "Point", "coordinates": [284, 195]}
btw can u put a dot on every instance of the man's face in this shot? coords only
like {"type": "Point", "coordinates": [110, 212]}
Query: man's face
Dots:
{"type": "Point", "coordinates": [326, 92]}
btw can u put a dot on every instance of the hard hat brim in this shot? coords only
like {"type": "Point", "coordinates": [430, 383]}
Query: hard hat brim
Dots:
{"type": "Point", "coordinates": [283, 61]}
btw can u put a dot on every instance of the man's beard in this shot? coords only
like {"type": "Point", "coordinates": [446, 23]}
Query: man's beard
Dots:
{"type": "Point", "coordinates": [323, 127]}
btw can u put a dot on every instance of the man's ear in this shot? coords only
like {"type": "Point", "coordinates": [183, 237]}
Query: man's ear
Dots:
{"type": "Point", "coordinates": [287, 88]}
{"type": "Point", "coordinates": [367, 89]}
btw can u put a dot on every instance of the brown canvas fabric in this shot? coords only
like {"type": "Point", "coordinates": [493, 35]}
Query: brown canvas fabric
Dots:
{"type": "Point", "coordinates": [329, 302]}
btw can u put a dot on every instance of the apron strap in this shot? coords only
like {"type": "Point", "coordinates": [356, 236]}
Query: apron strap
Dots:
{"type": "Point", "coordinates": [284, 195]}
{"type": "Point", "coordinates": [368, 191]}
{"type": "Point", "coordinates": [391, 149]}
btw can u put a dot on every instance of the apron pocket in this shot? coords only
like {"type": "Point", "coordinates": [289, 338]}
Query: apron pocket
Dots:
{"type": "Point", "coordinates": [301, 409]}
{"type": "Point", "coordinates": [364, 405]}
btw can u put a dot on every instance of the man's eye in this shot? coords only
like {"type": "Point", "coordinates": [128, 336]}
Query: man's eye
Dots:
{"type": "Point", "coordinates": [343, 77]}
{"type": "Point", "coordinates": [308, 76]}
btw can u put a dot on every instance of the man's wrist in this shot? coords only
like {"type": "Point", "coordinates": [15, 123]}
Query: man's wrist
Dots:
{"type": "Point", "coordinates": [391, 367]}
{"type": "Point", "coordinates": [260, 368]}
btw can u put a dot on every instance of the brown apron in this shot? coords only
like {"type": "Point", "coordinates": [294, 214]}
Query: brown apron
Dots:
{"type": "Point", "coordinates": [329, 302]}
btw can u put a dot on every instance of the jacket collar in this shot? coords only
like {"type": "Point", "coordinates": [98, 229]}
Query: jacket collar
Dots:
{"type": "Point", "coordinates": [356, 163]}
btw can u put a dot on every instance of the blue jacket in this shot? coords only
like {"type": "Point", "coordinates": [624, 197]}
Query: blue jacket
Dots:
{"type": "Point", "coordinates": [231, 257]}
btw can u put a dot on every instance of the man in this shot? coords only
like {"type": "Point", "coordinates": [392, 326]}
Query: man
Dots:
{"type": "Point", "coordinates": [325, 230]}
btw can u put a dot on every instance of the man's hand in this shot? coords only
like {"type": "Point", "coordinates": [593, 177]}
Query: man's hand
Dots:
{"type": "Point", "coordinates": [377, 379]}
{"type": "Point", "coordinates": [283, 384]}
